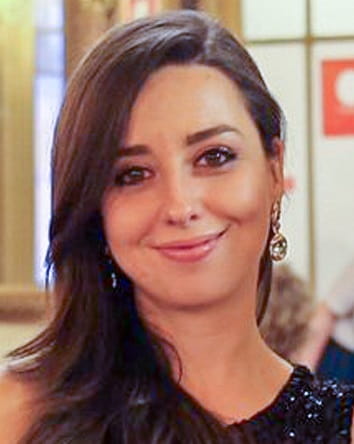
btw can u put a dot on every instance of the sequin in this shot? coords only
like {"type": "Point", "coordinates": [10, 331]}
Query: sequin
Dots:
{"type": "Point", "coordinates": [307, 410]}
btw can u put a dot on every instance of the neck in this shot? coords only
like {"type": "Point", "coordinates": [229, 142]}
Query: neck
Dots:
{"type": "Point", "coordinates": [223, 356]}
{"type": "Point", "coordinates": [226, 328]}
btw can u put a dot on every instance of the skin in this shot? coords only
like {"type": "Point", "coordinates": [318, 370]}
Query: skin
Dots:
{"type": "Point", "coordinates": [180, 196]}
{"type": "Point", "coordinates": [169, 186]}
{"type": "Point", "coordinates": [17, 407]}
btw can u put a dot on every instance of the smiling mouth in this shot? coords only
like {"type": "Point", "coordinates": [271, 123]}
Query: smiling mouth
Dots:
{"type": "Point", "coordinates": [191, 250]}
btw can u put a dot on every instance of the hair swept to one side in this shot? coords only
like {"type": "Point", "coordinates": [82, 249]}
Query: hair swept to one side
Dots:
{"type": "Point", "coordinates": [105, 375]}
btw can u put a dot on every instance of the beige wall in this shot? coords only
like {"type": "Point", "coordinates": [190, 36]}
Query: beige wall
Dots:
{"type": "Point", "coordinates": [85, 21]}
{"type": "Point", "coordinates": [16, 159]}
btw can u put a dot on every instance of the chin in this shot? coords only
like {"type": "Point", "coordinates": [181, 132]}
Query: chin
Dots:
{"type": "Point", "coordinates": [184, 297]}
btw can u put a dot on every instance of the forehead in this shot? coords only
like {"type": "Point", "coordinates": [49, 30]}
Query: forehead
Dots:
{"type": "Point", "coordinates": [185, 97]}
{"type": "Point", "coordinates": [174, 83]}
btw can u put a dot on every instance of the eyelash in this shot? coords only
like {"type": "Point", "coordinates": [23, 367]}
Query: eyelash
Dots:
{"type": "Point", "coordinates": [222, 155]}
{"type": "Point", "coordinates": [120, 178]}
{"type": "Point", "coordinates": [226, 153]}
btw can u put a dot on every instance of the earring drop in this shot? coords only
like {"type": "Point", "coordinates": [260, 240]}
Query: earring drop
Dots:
{"type": "Point", "coordinates": [278, 246]}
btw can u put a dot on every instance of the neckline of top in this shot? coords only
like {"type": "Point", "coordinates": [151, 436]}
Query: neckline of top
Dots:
{"type": "Point", "coordinates": [288, 393]}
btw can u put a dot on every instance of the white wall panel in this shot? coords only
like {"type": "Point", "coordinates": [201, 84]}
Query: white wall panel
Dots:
{"type": "Point", "coordinates": [287, 82]}
{"type": "Point", "coordinates": [273, 18]}
{"type": "Point", "coordinates": [334, 181]}
{"type": "Point", "coordinates": [332, 17]}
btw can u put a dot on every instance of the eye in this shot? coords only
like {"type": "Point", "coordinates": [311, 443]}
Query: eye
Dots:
{"type": "Point", "coordinates": [216, 157]}
{"type": "Point", "coordinates": [132, 176]}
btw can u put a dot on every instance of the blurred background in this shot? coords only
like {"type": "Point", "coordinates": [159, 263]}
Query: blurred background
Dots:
{"type": "Point", "coordinates": [305, 49]}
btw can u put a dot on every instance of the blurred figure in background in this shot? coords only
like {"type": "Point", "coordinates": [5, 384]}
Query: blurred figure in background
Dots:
{"type": "Point", "coordinates": [285, 323]}
{"type": "Point", "coordinates": [329, 348]}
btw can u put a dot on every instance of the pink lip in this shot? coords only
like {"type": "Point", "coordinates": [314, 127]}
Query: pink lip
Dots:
{"type": "Point", "coordinates": [191, 250]}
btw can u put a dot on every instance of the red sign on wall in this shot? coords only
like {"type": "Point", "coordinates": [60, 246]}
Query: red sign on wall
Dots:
{"type": "Point", "coordinates": [338, 96]}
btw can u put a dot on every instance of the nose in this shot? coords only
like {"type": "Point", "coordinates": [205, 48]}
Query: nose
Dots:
{"type": "Point", "coordinates": [181, 203]}
{"type": "Point", "coordinates": [181, 215]}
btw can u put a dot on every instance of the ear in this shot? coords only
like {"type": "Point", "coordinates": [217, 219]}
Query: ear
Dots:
{"type": "Point", "coordinates": [276, 165]}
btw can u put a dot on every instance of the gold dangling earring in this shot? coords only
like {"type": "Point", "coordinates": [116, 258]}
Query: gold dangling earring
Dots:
{"type": "Point", "coordinates": [278, 246]}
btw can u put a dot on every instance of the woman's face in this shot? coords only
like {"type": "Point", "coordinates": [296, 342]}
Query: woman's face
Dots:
{"type": "Point", "coordinates": [187, 213]}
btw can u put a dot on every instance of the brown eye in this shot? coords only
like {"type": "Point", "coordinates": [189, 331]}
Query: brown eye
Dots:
{"type": "Point", "coordinates": [216, 157]}
{"type": "Point", "coordinates": [132, 176]}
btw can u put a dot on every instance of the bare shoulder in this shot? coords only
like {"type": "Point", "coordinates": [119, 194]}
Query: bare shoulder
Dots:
{"type": "Point", "coordinates": [16, 407]}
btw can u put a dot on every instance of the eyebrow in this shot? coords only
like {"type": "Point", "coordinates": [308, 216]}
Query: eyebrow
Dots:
{"type": "Point", "coordinates": [209, 132]}
{"type": "Point", "coordinates": [191, 139]}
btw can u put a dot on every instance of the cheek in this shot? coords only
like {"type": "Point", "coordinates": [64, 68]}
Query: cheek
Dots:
{"type": "Point", "coordinates": [244, 197]}
{"type": "Point", "coordinates": [126, 221]}
{"type": "Point", "coordinates": [245, 203]}
{"type": "Point", "coordinates": [124, 227]}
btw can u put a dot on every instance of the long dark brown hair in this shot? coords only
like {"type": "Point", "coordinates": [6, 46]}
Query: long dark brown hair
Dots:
{"type": "Point", "coordinates": [105, 375]}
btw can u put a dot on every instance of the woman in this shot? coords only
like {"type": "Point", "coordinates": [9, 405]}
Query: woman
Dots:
{"type": "Point", "coordinates": [167, 181]}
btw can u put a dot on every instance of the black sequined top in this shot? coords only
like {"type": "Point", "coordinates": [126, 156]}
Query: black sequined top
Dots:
{"type": "Point", "coordinates": [307, 410]}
